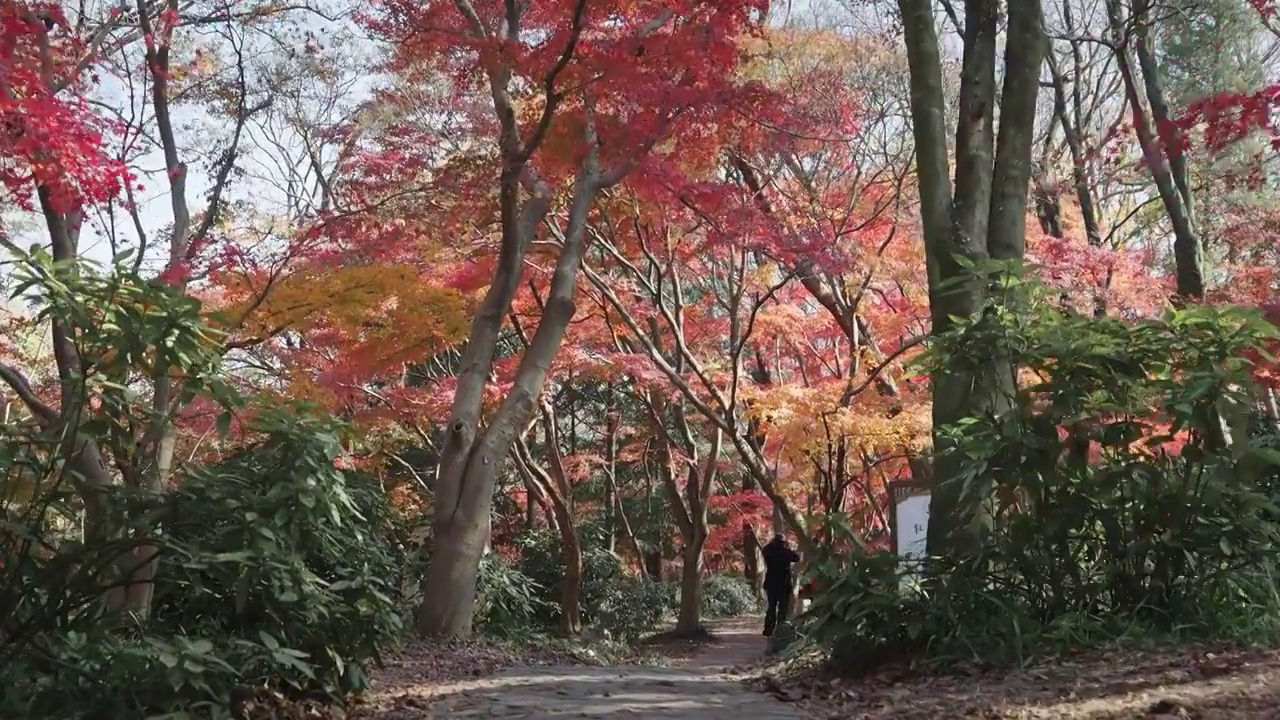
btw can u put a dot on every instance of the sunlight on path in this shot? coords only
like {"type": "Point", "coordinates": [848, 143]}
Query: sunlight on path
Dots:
{"type": "Point", "coordinates": [707, 687]}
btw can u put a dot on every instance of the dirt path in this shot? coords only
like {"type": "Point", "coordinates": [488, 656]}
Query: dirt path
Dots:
{"type": "Point", "coordinates": [706, 686]}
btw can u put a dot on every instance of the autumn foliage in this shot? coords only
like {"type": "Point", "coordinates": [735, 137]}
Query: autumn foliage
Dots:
{"type": "Point", "coordinates": [644, 281]}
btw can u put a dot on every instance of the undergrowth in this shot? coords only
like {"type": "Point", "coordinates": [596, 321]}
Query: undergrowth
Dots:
{"type": "Point", "coordinates": [1125, 493]}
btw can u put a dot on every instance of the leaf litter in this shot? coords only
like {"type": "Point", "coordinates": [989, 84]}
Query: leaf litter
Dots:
{"type": "Point", "coordinates": [1183, 684]}
{"type": "Point", "coordinates": [405, 685]}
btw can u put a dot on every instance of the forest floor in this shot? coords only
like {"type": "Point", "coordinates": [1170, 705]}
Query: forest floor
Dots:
{"type": "Point", "coordinates": [1183, 684]}
{"type": "Point", "coordinates": [727, 678]}
{"type": "Point", "coordinates": [696, 681]}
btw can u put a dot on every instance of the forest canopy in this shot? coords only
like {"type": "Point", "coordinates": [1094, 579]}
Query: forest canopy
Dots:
{"type": "Point", "coordinates": [329, 325]}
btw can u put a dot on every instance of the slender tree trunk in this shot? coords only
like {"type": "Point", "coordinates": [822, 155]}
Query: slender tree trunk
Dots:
{"type": "Point", "coordinates": [751, 559]}
{"type": "Point", "coordinates": [613, 502]}
{"type": "Point", "coordinates": [555, 485]}
{"type": "Point", "coordinates": [1165, 163]}
{"type": "Point", "coordinates": [571, 584]}
{"type": "Point", "coordinates": [689, 619]}
{"type": "Point", "coordinates": [751, 545]}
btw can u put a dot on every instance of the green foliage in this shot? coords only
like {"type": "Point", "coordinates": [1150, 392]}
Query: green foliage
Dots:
{"type": "Point", "coordinates": [50, 579]}
{"type": "Point", "coordinates": [874, 611]}
{"type": "Point", "coordinates": [634, 607]}
{"type": "Point", "coordinates": [274, 564]}
{"type": "Point", "coordinates": [541, 561]}
{"type": "Point", "coordinates": [125, 328]}
{"type": "Point", "coordinates": [726, 596]}
{"type": "Point", "coordinates": [278, 547]}
{"type": "Point", "coordinates": [1120, 488]}
{"type": "Point", "coordinates": [786, 636]}
{"type": "Point", "coordinates": [508, 602]}
{"type": "Point", "coordinates": [105, 675]}
{"type": "Point", "coordinates": [277, 572]}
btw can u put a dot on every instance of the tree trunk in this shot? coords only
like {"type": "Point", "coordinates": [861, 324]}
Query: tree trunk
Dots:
{"type": "Point", "coordinates": [470, 456]}
{"type": "Point", "coordinates": [750, 543]}
{"type": "Point", "coordinates": [614, 515]}
{"type": "Point", "coordinates": [751, 558]}
{"type": "Point", "coordinates": [449, 588]}
{"type": "Point", "coordinates": [1165, 162]}
{"type": "Point", "coordinates": [555, 486]}
{"type": "Point", "coordinates": [984, 220]}
{"type": "Point", "coordinates": [689, 620]}
{"type": "Point", "coordinates": [571, 584]}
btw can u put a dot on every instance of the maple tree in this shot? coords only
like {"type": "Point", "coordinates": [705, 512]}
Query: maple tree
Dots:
{"type": "Point", "coordinates": [654, 73]}
{"type": "Point", "coordinates": [652, 277]}
{"type": "Point", "coordinates": [78, 169]}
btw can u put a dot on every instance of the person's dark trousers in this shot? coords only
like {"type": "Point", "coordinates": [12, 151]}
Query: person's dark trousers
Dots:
{"type": "Point", "coordinates": [776, 613]}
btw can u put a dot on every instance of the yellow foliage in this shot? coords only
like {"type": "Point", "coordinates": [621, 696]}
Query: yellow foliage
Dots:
{"type": "Point", "coordinates": [805, 422]}
{"type": "Point", "coordinates": [387, 302]}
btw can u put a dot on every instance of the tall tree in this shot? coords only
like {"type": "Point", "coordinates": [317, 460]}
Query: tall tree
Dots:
{"type": "Point", "coordinates": [984, 219]}
{"type": "Point", "coordinates": [580, 91]}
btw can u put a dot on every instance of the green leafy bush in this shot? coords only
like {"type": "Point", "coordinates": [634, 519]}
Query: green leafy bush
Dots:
{"type": "Point", "coordinates": [1121, 488]}
{"type": "Point", "coordinates": [727, 596]}
{"type": "Point", "coordinates": [109, 676]}
{"type": "Point", "coordinates": [785, 636]}
{"type": "Point", "coordinates": [874, 611]}
{"type": "Point", "coordinates": [67, 532]}
{"type": "Point", "coordinates": [276, 568]}
{"type": "Point", "coordinates": [277, 572]}
{"type": "Point", "coordinates": [507, 601]}
{"type": "Point", "coordinates": [278, 548]}
{"type": "Point", "coordinates": [542, 562]}
{"type": "Point", "coordinates": [633, 607]}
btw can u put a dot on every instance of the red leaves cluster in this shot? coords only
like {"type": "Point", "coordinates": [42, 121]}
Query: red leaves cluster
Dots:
{"type": "Point", "coordinates": [1122, 279]}
{"type": "Point", "coordinates": [49, 137]}
{"type": "Point", "coordinates": [632, 60]}
{"type": "Point", "coordinates": [736, 511]}
{"type": "Point", "coordinates": [1229, 118]}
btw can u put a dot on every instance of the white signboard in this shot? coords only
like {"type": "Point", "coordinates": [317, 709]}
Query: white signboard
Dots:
{"type": "Point", "coordinates": [912, 519]}
{"type": "Point", "coordinates": [911, 530]}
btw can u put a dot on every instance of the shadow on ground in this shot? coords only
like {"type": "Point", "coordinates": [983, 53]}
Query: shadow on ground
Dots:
{"type": "Point", "coordinates": [659, 693]}
{"type": "Point", "coordinates": [704, 682]}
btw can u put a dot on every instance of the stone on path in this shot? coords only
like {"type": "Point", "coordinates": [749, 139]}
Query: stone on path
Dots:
{"type": "Point", "coordinates": [707, 688]}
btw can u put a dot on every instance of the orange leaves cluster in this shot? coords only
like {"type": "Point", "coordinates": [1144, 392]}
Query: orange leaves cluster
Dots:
{"type": "Point", "coordinates": [376, 302]}
{"type": "Point", "coordinates": [351, 324]}
{"type": "Point", "coordinates": [802, 422]}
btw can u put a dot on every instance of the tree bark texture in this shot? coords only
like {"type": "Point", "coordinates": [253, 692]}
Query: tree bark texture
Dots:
{"type": "Point", "coordinates": [983, 219]}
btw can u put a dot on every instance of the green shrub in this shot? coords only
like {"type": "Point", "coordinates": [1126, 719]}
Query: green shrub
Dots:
{"type": "Point", "coordinates": [633, 607]}
{"type": "Point", "coordinates": [785, 636]}
{"type": "Point", "coordinates": [276, 571]}
{"type": "Point", "coordinates": [507, 601]}
{"type": "Point", "coordinates": [111, 677]}
{"type": "Point", "coordinates": [276, 547]}
{"type": "Point", "coordinates": [542, 562]}
{"type": "Point", "coordinates": [1124, 489]}
{"type": "Point", "coordinates": [726, 596]}
{"type": "Point", "coordinates": [602, 572]}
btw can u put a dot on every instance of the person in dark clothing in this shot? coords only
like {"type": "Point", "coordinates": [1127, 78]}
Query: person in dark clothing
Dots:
{"type": "Point", "coordinates": [778, 559]}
